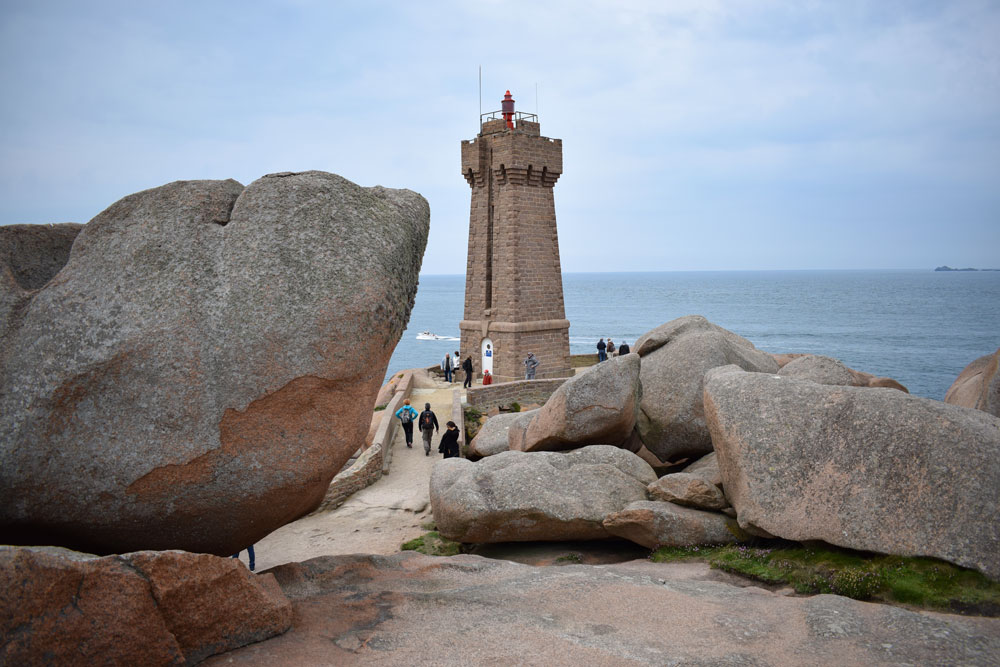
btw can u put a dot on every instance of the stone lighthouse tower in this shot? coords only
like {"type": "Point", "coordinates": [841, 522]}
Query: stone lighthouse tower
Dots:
{"type": "Point", "coordinates": [513, 284]}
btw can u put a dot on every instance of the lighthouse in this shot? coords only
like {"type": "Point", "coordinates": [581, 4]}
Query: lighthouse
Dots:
{"type": "Point", "coordinates": [513, 279]}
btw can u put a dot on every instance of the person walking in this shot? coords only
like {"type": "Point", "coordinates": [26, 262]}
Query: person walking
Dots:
{"type": "Point", "coordinates": [530, 364]}
{"type": "Point", "coordinates": [406, 415]}
{"type": "Point", "coordinates": [449, 441]}
{"type": "Point", "coordinates": [611, 348]}
{"type": "Point", "coordinates": [447, 367]}
{"type": "Point", "coordinates": [456, 363]}
{"type": "Point", "coordinates": [428, 424]}
{"type": "Point", "coordinates": [467, 367]}
{"type": "Point", "coordinates": [623, 349]}
{"type": "Point", "coordinates": [601, 351]}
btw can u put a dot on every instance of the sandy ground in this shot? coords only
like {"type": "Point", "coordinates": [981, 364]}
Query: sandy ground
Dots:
{"type": "Point", "coordinates": [376, 520]}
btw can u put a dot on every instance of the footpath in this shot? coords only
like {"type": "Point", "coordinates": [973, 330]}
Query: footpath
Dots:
{"type": "Point", "coordinates": [379, 518]}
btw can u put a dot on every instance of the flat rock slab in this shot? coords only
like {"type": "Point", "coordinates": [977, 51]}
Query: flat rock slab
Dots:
{"type": "Point", "coordinates": [411, 609]}
{"type": "Point", "coordinates": [657, 523]}
{"type": "Point", "coordinates": [492, 438]}
{"type": "Point", "coordinates": [521, 496]}
{"type": "Point", "coordinates": [868, 469]}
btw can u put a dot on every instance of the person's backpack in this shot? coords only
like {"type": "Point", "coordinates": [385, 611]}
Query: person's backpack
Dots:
{"type": "Point", "coordinates": [426, 421]}
{"type": "Point", "coordinates": [406, 416]}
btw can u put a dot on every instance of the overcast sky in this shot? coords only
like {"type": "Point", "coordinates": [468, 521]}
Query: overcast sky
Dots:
{"type": "Point", "coordinates": [696, 134]}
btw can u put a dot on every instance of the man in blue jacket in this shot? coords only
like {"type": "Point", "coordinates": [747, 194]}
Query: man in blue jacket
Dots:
{"type": "Point", "coordinates": [406, 415]}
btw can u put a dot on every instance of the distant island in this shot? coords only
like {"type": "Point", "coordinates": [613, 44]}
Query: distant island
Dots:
{"type": "Point", "coordinates": [948, 268]}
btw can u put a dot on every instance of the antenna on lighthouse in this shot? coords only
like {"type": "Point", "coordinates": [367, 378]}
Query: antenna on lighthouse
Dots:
{"type": "Point", "coordinates": [480, 93]}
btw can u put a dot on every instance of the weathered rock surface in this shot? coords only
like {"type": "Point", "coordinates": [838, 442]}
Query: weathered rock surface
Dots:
{"type": "Point", "coordinates": [655, 523]}
{"type": "Point", "coordinates": [492, 438]}
{"type": "Point", "coordinates": [826, 370]}
{"type": "Point", "coordinates": [145, 608]}
{"type": "Point", "coordinates": [687, 489]}
{"type": "Point", "coordinates": [520, 497]}
{"type": "Point", "coordinates": [205, 362]}
{"type": "Point", "coordinates": [599, 406]}
{"type": "Point", "coordinates": [466, 610]}
{"type": "Point", "coordinates": [707, 467]}
{"type": "Point", "coordinates": [30, 255]}
{"type": "Point", "coordinates": [978, 385]}
{"type": "Point", "coordinates": [868, 469]}
{"type": "Point", "coordinates": [675, 356]}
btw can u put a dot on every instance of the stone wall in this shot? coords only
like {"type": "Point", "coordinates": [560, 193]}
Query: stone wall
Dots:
{"type": "Point", "coordinates": [524, 392]}
{"type": "Point", "coordinates": [458, 416]}
{"type": "Point", "coordinates": [372, 462]}
{"type": "Point", "coordinates": [583, 360]}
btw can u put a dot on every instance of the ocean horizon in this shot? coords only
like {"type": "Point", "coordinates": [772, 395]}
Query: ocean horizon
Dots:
{"type": "Point", "coordinates": [918, 326]}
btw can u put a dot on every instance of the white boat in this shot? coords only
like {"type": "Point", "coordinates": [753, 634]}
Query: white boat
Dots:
{"type": "Point", "coordinates": [427, 335]}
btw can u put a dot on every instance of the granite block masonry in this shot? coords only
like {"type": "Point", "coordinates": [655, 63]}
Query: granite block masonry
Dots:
{"type": "Point", "coordinates": [513, 285]}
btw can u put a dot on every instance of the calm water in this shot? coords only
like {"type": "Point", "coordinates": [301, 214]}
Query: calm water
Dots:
{"type": "Point", "coordinates": [918, 327]}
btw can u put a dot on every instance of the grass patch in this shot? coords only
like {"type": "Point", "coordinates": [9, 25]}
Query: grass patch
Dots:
{"type": "Point", "coordinates": [432, 544]}
{"type": "Point", "coordinates": [570, 558]}
{"type": "Point", "coordinates": [379, 408]}
{"type": "Point", "coordinates": [810, 569]}
{"type": "Point", "coordinates": [473, 422]}
{"type": "Point", "coordinates": [515, 407]}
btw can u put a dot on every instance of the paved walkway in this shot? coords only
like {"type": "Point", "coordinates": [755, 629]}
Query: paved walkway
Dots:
{"type": "Point", "coordinates": [377, 519]}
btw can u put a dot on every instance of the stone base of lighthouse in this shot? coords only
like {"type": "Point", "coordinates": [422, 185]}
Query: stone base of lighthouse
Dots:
{"type": "Point", "coordinates": [510, 343]}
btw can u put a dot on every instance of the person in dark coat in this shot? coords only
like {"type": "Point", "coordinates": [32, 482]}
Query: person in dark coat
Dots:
{"type": "Point", "coordinates": [428, 423]}
{"type": "Point", "coordinates": [601, 350]}
{"type": "Point", "coordinates": [623, 349]}
{"type": "Point", "coordinates": [611, 348]}
{"type": "Point", "coordinates": [467, 367]}
{"type": "Point", "coordinates": [449, 441]}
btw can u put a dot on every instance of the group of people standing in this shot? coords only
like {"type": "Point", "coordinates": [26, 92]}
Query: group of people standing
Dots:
{"type": "Point", "coordinates": [428, 423]}
{"type": "Point", "coordinates": [450, 366]}
{"type": "Point", "coordinates": [605, 350]}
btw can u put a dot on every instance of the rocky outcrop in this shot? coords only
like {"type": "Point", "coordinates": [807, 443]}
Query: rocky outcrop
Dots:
{"type": "Point", "coordinates": [205, 362]}
{"type": "Point", "coordinates": [826, 370]}
{"type": "Point", "coordinates": [492, 438]}
{"type": "Point", "coordinates": [146, 608]}
{"type": "Point", "coordinates": [599, 406]}
{"type": "Point", "coordinates": [411, 609]}
{"type": "Point", "coordinates": [675, 357]}
{"type": "Point", "coordinates": [519, 496]}
{"type": "Point", "coordinates": [869, 469]}
{"type": "Point", "coordinates": [687, 489]}
{"type": "Point", "coordinates": [654, 524]}
{"type": "Point", "coordinates": [978, 385]}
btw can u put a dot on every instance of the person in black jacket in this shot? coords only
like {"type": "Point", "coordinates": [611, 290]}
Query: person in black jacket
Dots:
{"type": "Point", "coordinates": [428, 423]}
{"type": "Point", "coordinates": [467, 367]}
{"type": "Point", "coordinates": [601, 350]}
{"type": "Point", "coordinates": [623, 349]}
{"type": "Point", "coordinates": [449, 441]}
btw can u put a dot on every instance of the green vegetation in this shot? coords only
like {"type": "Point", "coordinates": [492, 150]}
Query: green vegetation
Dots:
{"type": "Point", "coordinates": [571, 557]}
{"type": "Point", "coordinates": [428, 525]}
{"type": "Point", "coordinates": [922, 582]}
{"type": "Point", "coordinates": [378, 408]}
{"type": "Point", "coordinates": [515, 407]}
{"type": "Point", "coordinates": [432, 544]}
{"type": "Point", "coordinates": [473, 420]}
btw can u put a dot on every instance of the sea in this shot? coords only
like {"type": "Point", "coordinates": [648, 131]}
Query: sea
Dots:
{"type": "Point", "coordinates": [919, 327]}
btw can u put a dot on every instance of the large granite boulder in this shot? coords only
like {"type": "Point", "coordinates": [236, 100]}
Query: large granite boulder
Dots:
{"type": "Point", "coordinates": [599, 406]}
{"type": "Point", "coordinates": [520, 497]}
{"type": "Point", "coordinates": [707, 468]}
{"type": "Point", "coordinates": [492, 438]}
{"type": "Point", "coordinates": [145, 608]}
{"type": "Point", "coordinates": [978, 385]}
{"type": "Point", "coordinates": [869, 469]}
{"type": "Point", "coordinates": [675, 357]}
{"type": "Point", "coordinates": [655, 523]}
{"type": "Point", "coordinates": [686, 489]}
{"type": "Point", "coordinates": [827, 370]}
{"type": "Point", "coordinates": [409, 609]}
{"type": "Point", "coordinates": [204, 363]}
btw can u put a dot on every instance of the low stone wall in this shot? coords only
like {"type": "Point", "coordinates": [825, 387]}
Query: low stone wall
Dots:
{"type": "Point", "coordinates": [374, 461]}
{"type": "Point", "coordinates": [524, 392]}
{"type": "Point", "coordinates": [458, 416]}
{"type": "Point", "coordinates": [582, 360]}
